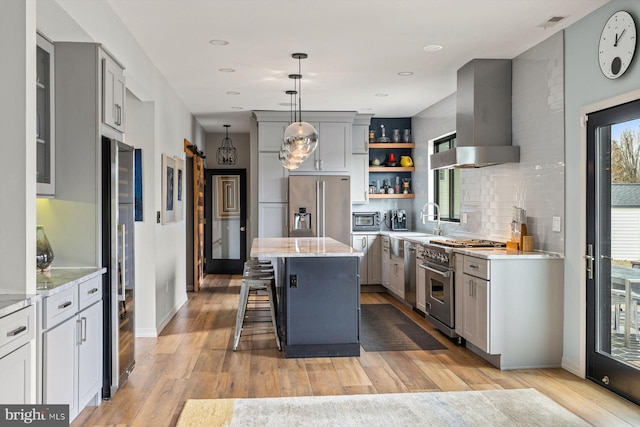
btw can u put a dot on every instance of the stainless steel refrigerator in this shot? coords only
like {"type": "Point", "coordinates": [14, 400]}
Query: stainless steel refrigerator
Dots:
{"type": "Point", "coordinates": [320, 206]}
{"type": "Point", "coordinates": [118, 257]}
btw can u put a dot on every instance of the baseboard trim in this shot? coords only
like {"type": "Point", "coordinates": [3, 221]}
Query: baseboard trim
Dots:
{"type": "Point", "coordinates": [146, 332]}
{"type": "Point", "coordinates": [572, 367]}
{"type": "Point", "coordinates": [172, 313]}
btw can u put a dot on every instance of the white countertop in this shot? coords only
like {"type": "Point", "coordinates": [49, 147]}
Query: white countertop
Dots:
{"type": "Point", "coordinates": [272, 247]}
{"type": "Point", "coordinates": [58, 279]}
{"type": "Point", "coordinates": [503, 253]}
{"type": "Point", "coordinates": [10, 303]}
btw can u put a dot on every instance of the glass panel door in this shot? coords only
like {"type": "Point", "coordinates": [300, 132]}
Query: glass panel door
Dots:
{"type": "Point", "coordinates": [225, 228]}
{"type": "Point", "coordinates": [613, 249]}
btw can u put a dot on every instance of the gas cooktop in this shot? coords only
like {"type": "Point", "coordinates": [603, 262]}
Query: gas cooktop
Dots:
{"type": "Point", "coordinates": [471, 243]}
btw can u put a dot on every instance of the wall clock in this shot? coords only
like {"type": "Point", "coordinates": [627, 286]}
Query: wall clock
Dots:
{"type": "Point", "coordinates": [617, 44]}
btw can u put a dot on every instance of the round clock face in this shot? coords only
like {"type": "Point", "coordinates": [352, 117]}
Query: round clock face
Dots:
{"type": "Point", "coordinates": [617, 44]}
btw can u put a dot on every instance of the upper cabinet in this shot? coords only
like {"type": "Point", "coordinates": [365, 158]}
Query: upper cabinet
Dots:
{"type": "Point", "coordinates": [333, 153]}
{"type": "Point", "coordinates": [113, 93]}
{"type": "Point", "coordinates": [360, 134]}
{"type": "Point", "coordinates": [45, 123]}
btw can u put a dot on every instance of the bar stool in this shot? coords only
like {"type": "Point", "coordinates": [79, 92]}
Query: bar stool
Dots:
{"type": "Point", "coordinates": [257, 282]}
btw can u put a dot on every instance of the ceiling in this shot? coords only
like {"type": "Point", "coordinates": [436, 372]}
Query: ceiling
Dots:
{"type": "Point", "coordinates": [356, 49]}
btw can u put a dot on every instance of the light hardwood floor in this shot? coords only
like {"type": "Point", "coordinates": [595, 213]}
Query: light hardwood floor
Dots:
{"type": "Point", "coordinates": [192, 359]}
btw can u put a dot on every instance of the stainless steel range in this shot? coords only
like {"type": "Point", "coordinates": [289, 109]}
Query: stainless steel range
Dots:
{"type": "Point", "coordinates": [436, 261]}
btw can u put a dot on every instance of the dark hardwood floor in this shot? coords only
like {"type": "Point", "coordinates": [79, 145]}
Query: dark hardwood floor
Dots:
{"type": "Point", "coordinates": [192, 359]}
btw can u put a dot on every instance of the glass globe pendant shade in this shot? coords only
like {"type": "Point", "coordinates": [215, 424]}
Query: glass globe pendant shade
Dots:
{"type": "Point", "coordinates": [288, 161]}
{"type": "Point", "coordinates": [300, 138]}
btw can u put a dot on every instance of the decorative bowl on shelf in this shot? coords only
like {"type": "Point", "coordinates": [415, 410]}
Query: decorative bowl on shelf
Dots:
{"type": "Point", "coordinates": [392, 164]}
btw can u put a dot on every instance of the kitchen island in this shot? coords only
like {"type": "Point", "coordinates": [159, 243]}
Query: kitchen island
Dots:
{"type": "Point", "coordinates": [318, 294]}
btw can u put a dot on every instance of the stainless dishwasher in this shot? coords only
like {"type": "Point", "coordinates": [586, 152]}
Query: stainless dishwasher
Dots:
{"type": "Point", "coordinates": [410, 273]}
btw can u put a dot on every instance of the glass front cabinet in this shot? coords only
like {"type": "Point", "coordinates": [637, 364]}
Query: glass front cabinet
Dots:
{"type": "Point", "coordinates": [45, 131]}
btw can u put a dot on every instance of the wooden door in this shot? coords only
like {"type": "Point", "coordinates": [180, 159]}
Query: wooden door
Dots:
{"type": "Point", "coordinates": [198, 213]}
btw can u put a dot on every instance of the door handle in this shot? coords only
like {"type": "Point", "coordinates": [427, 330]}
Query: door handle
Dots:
{"type": "Point", "coordinates": [589, 257]}
{"type": "Point", "coordinates": [243, 229]}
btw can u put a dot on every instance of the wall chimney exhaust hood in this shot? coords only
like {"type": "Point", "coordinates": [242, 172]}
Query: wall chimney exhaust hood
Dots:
{"type": "Point", "coordinates": [483, 117]}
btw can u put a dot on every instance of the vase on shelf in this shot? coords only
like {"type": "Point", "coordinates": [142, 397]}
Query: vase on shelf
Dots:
{"type": "Point", "coordinates": [44, 252]}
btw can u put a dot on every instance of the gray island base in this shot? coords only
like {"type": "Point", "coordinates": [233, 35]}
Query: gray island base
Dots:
{"type": "Point", "coordinates": [318, 298]}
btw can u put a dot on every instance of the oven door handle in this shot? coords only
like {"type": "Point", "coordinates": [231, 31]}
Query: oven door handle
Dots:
{"type": "Point", "coordinates": [433, 270]}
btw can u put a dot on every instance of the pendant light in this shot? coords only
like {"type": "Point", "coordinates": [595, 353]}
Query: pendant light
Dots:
{"type": "Point", "coordinates": [300, 138]}
{"type": "Point", "coordinates": [226, 154]}
{"type": "Point", "coordinates": [289, 160]}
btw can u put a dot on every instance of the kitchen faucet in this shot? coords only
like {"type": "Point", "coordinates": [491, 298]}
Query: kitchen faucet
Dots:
{"type": "Point", "coordinates": [423, 215]}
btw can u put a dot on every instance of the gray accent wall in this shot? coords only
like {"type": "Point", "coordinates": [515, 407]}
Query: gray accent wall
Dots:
{"type": "Point", "coordinates": [584, 85]}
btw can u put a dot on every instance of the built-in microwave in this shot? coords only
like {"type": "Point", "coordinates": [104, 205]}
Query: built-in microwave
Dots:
{"type": "Point", "coordinates": [366, 221]}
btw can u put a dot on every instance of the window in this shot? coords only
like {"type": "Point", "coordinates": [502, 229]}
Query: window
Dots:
{"type": "Point", "coordinates": [446, 183]}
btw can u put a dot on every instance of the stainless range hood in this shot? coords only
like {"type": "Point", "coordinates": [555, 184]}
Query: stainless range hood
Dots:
{"type": "Point", "coordinates": [483, 117]}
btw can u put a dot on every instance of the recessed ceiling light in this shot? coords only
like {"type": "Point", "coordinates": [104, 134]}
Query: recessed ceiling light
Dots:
{"type": "Point", "coordinates": [382, 95]}
{"type": "Point", "coordinates": [227, 70]}
{"type": "Point", "coordinates": [237, 108]}
{"type": "Point", "coordinates": [233, 93]}
{"type": "Point", "coordinates": [405, 73]}
{"type": "Point", "coordinates": [432, 48]}
{"type": "Point", "coordinates": [218, 42]}
{"type": "Point", "coordinates": [366, 109]}
{"type": "Point", "coordinates": [286, 104]}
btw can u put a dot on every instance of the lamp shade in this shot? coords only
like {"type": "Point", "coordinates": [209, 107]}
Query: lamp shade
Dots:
{"type": "Point", "coordinates": [288, 161]}
{"type": "Point", "coordinates": [300, 138]}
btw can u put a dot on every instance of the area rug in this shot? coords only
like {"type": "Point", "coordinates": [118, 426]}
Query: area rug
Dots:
{"type": "Point", "coordinates": [385, 328]}
{"type": "Point", "coordinates": [462, 408]}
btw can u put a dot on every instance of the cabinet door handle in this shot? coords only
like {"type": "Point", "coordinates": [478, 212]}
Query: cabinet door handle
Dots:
{"type": "Point", "coordinates": [78, 332]}
{"type": "Point", "coordinates": [92, 291]}
{"type": "Point", "coordinates": [64, 305]}
{"type": "Point", "coordinates": [83, 333]}
{"type": "Point", "coordinates": [475, 267]}
{"type": "Point", "coordinates": [17, 331]}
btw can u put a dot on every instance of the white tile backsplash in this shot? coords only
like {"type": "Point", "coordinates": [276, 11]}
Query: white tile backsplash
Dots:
{"type": "Point", "coordinates": [536, 183]}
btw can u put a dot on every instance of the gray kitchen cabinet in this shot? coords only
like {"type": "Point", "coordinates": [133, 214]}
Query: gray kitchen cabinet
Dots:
{"type": "Point", "coordinates": [72, 346]}
{"type": "Point", "coordinates": [17, 332]}
{"type": "Point", "coordinates": [359, 178]}
{"type": "Point", "coordinates": [396, 277]}
{"type": "Point", "coordinates": [498, 309]}
{"type": "Point", "coordinates": [385, 264]}
{"type": "Point", "coordinates": [273, 220]}
{"type": "Point", "coordinates": [113, 93]}
{"type": "Point", "coordinates": [45, 118]}
{"type": "Point", "coordinates": [333, 153]}
{"type": "Point", "coordinates": [273, 183]}
{"type": "Point", "coordinates": [271, 135]}
{"type": "Point", "coordinates": [370, 245]}
{"type": "Point", "coordinates": [475, 307]}
{"type": "Point", "coordinates": [360, 135]}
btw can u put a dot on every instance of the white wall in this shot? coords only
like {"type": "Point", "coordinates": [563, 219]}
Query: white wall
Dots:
{"type": "Point", "coordinates": [164, 246]}
{"type": "Point", "coordinates": [584, 85]}
{"type": "Point", "coordinates": [140, 126]}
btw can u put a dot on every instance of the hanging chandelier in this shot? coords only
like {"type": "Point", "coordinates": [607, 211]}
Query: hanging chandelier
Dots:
{"type": "Point", "coordinates": [227, 154]}
{"type": "Point", "coordinates": [300, 138]}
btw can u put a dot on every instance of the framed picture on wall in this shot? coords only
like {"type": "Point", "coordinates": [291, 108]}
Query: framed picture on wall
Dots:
{"type": "Point", "coordinates": [168, 189]}
{"type": "Point", "coordinates": [137, 167]}
{"type": "Point", "coordinates": [178, 204]}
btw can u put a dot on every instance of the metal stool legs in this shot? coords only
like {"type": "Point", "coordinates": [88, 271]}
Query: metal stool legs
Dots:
{"type": "Point", "coordinates": [256, 280]}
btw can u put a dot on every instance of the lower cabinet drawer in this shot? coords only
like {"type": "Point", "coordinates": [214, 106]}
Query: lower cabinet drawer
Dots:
{"type": "Point", "coordinates": [59, 307]}
{"type": "Point", "coordinates": [16, 329]}
{"type": "Point", "coordinates": [476, 267]}
{"type": "Point", "coordinates": [89, 292]}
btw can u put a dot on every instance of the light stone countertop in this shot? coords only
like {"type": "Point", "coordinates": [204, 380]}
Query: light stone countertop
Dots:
{"type": "Point", "coordinates": [503, 253]}
{"type": "Point", "coordinates": [10, 303]}
{"type": "Point", "coordinates": [289, 247]}
{"type": "Point", "coordinates": [59, 279]}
